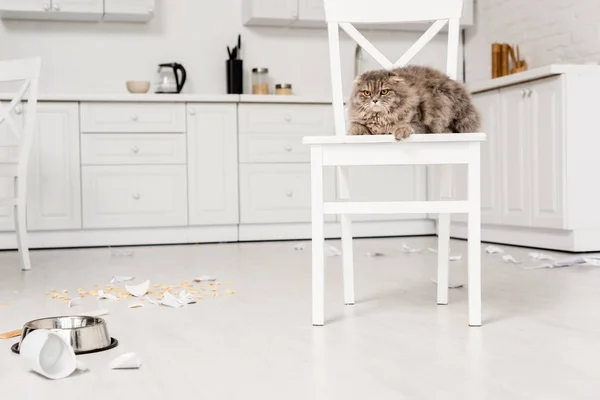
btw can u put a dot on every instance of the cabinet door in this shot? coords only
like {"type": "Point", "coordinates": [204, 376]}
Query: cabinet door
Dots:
{"type": "Point", "coordinates": [9, 151]}
{"type": "Point", "coordinates": [78, 6]}
{"type": "Point", "coordinates": [545, 100]}
{"type": "Point", "coordinates": [311, 13]}
{"type": "Point", "coordinates": [269, 12]}
{"type": "Point", "coordinates": [488, 104]}
{"type": "Point", "coordinates": [25, 5]}
{"type": "Point", "coordinates": [128, 10]}
{"type": "Point", "coordinates": [387, 183]}
{"type": "Point", "coordinates": [212, 164]}
{"type": "Point", "coordinates": [54, 187]}
{"type": "Point", "coordinates": [515, 161]}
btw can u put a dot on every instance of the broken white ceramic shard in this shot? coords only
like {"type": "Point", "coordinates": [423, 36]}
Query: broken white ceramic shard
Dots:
{"type": "Point", "coordinates": [135, 304]}
{"type": "Point", "coordinates": [431, 249]}
{"type": "Point", "coordinates": [407, 249]}
{"type": "Point", "coordinates": [138, 290]}
{"type": "Point", "coordinates": [75, 301]}
{"type": "Point", "coordinates": [541, 256]}
{"type": "Point", "coordinates": [455, 258]}
{"type": "Point", "coordinates": [494, 250]}
{"type": "Point", "coordinates": [102, 295]}
{"type": "Point", "coordinates": [170, 301]}
{"type": "Point", "coordinates": [592, 261]}
{"type": "Point", "coordinates": [80, 365]}
{"type": "Point", "coordinates": [119, 279]}
{"type": "Point", "coordinates": [562, 263]}
{"type": "Point", "coordinates": [126, 361]}
{"type": "Point", "coordinates": [299, 246]}
{"type": "Point", "coordinates": [507, 258]}
{"type": "Point", "coordinates": [205, 278]}
{"type": "Point", "coordinates": [374, 254]}
{"type": "Point", "coordinates": [186, 298]}
{"type": "Point", "coordinates": [331, 251]}
{"type": "Point", "coordinates": [450, 285]}
{"type": "Point", "coordinates": [151, 300]}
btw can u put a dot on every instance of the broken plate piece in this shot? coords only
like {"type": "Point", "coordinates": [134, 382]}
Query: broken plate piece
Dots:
{"type": "Point", "coordinates": [450, 285]}
{"type": "Point", "coordinates": [205, 278]}
{"type": "Point", "coordinates": [510, 259]}
{"type": "Point", "coordinates": [135, 305]}
{"type": "Point", "coordinates": [407, 249]}
{"type": "Point", "coordinates": [494, 250]}
{"type": "Point", "coordinates": [151, 300]}
{"type": "Point", "coordinates": [374, 254]}
{"type": "Point", "coordinates": [592, 261]}
{"type": "Point", "coordinates": [541, 256]}
{"type": "Point", "coordinates": [102, 295]}
{"type": "Point", "coordinates": [331, 251]}
{"type": "Point", "coordinates": [138, 290]}
{"type": "Point", "coordinates": [431, 249]}
{"type": "Point", "coordinates": [186, 298]}
{"type": "Point", "coordinates": [455, 258]}
{"type": "Point", "coordinates": [170, 301]}
{"type": "Point", "coordinates": [119, 279]}
{"type": "Point", "coordinates": [126, 361]}
{"type": "Point", "coordinates": [75, 301]}
{"type": "Point", "coordinates": [299, 246]}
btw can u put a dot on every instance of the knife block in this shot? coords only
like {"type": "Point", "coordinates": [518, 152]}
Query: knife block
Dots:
{"type": "Point", "coordinates": [235, 76]}
{"type": "Point", "coordinates": [502, 53]}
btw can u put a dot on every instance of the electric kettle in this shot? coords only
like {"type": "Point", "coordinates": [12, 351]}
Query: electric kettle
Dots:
{"type": "Point", "coordinates": [169, 79]}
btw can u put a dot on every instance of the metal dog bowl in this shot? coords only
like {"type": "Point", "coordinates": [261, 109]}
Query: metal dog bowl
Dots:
{"type": "Point", "coordinates": [84, 334]}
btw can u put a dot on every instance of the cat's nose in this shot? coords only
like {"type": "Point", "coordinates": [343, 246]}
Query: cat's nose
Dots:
{"type": "Point", "coordinates": [375, 101]}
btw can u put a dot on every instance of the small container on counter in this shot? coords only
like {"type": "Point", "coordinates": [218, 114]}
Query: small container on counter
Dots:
{"type": "Point", "coordinates": [283, 88]}
{"type": "Point", "coordinates": [260, 81]}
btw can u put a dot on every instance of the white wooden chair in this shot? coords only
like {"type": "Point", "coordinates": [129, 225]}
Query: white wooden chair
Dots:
{"type": "Point", "coordinates": [15, 161]}
{"type": "Point", "coordinates": [343, 151]}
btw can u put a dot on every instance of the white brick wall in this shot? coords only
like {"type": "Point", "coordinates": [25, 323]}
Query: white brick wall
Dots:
{"type": "Point", "coordinates": [547, 31]}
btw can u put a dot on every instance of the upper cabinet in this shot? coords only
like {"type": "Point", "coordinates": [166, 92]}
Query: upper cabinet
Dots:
{"type": "Point", "coordinates": [78, 10]}
{"type": "Point", "coordinates": [311, 14]}
{"type": "Point", "coordinates": [128, 10]}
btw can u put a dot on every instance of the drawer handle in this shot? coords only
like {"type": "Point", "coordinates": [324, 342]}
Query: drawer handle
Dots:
{"type": "Point", "coordinates": [191, 111]}
{"type": "Point", "coordinates": [529, 92]}
{"type": "Point", "coordinates": [18, 110]}
{"type": "Point", "coordinates": [136, 195]}
{"type": "Point", "coordinates": [57, 7]}
{"type": "Point", "coordinates": [288, 147]}
{"type": "Point", "coordinates": [289, 193]}
{"type": "Point", "coordinates": [134, 117]}
{"type": "Point", "coordinates": [287, 118]}
{"type": "Point", "coordinates": [135, 149]}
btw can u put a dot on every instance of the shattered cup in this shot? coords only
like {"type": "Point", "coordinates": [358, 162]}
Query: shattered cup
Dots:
{"type": "Point", "coordinates": [48, 354]}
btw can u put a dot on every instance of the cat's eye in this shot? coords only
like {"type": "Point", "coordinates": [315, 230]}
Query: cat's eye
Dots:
{"type": "Point", "coordinates": [384, 92]}
{"type": "Point", "coordinates": [367, 93]}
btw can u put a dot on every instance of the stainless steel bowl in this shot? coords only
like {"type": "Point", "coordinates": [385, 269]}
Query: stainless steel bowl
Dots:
{"type": "Point", "coordinates": [85, 334]}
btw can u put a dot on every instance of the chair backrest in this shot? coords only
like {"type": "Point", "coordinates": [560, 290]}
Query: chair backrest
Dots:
{"type": "Point", "coordinates": [26, 72]}
{"type": "Point", "coordinates": [343, 13]}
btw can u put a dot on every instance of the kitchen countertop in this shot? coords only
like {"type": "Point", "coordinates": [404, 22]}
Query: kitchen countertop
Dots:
{"type": "Point", "coordinates": [175, 98]}
{"type": "Point", "coordinates": [532, 74]}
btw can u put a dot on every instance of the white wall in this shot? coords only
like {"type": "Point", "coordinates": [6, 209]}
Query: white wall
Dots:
{"type": "Point", "coordinates": [548, 31]}
{"type": "Point", "coordinates": [100, 57]}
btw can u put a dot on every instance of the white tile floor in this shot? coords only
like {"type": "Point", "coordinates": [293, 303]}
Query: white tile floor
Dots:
{"type": "Point", "coordinates": [540, 339]}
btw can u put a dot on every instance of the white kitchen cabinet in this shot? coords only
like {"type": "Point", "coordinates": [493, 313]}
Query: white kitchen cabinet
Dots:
{"type": "Point", "coordinates": [310, 13]}
{"type": "Point", "coordinates": [129, 10]}
{"type": "Point", "coordinates": [212, 164]}
{"type": "Point", "coordinates": [491, 212]}
{"type": "Point", "coordinates": [388, 183]}
{"type": "Point", "coordinates": [58, 10]}
{"type": "Point", "coordinates": [269, 12]}
{"type": "Point", "coordinates": [8, 150]}
{"type": "Point", "coordinates": [54, 187]}
{"type": "Point", "coordinates": [515, 153]}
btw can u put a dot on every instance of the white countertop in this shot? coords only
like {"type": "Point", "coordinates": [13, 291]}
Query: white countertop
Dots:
{"type": "Point", "coordinates": [174, 98]}
{"type": "Point", "coordinates": [532, 74]}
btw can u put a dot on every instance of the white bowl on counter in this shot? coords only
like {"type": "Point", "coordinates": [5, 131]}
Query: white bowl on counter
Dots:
{"type": "Point", "coordinates": [138, 86]}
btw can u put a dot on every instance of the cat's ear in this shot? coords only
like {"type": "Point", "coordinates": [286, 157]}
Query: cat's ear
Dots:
{"type": "Point", "coordinates": [357, 81]}
{"type": "Point", "coordinates": [394, 78]}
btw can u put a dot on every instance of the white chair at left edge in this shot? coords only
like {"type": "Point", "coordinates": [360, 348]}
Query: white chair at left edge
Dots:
{"type": "Point", "coordinates": [343, 151]}
{"type": "Point", "coordinates": [14, 153]}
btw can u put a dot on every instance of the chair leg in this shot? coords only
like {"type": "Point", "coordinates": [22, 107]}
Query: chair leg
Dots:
{"type": "Point", "coordinates": [20, 212]}
{"type": "Point", "coordinates": [347, 251]}
{"type": "Point", "coordinates": [443, 257]}
{"type": "Point", "coordinates": [474, 232]}
{"type": "Point", "coordinates": [318, 238]}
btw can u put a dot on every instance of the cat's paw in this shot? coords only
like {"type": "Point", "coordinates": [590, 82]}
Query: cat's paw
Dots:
{"type": "Point", "coordinates": [358, 129]}
{"type": "Point", "coordinates": [403, 131]}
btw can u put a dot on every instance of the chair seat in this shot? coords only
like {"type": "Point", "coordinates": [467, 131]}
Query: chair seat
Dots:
{"type": "Point", "coordinates": [416, 138]}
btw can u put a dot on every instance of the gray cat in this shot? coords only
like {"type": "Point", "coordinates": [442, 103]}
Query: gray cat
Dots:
{"type": "Point", "coordinates": [413, 99]}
